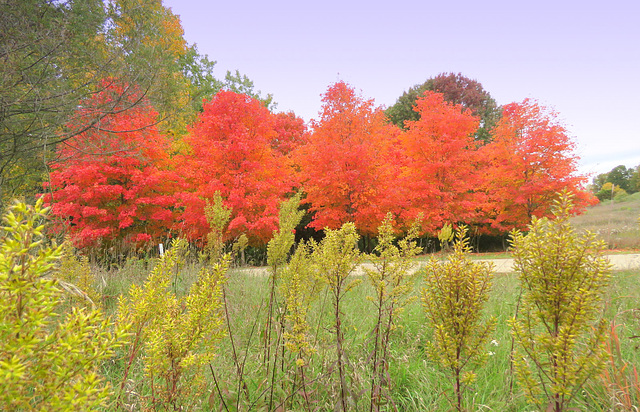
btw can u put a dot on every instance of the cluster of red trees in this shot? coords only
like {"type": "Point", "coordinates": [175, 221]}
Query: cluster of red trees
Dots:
{"type": "Point", "coordinates": [123, 180]}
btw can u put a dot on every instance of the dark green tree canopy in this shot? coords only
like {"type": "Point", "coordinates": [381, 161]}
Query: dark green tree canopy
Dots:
{"type": "Point", "coordinates": [626, 178]}
{"type": "Point", "coordinates": [457, 89]}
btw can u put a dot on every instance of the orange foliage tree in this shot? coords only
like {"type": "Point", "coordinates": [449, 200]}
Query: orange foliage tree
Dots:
{"type": "Point", "coordinates": [530, 160]}
{"type": "Point", "coordinates": [111, 181]}
{"type": "Point", "coordinates": [346, 173]}
{"type": "Point", "coordinates": [230, 153]}
{"type": "Point", "coordinates": [440, 166]}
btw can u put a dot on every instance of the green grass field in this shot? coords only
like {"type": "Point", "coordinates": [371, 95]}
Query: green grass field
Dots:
{"type": "Point", "coordinates": [417, 384]}
{"type": "Point", "coordinates": [617, 223]}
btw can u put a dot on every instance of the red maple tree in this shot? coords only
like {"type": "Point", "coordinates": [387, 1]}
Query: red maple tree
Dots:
{"type": "Point", "coordinates": [230, 152]}
{"type": "Point", "coordinates": [439, 169]}
{"type": "Point", "coordinates": [531, 158]}
{"type": "Point", "coordinates": [291, 133]}
{"type": "Point", "coordinates": [110, 183]}
{"type": "Point", "coordinates": [345, 165]}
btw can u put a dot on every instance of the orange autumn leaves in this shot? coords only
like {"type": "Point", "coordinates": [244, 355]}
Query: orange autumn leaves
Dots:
{"type": "Point", "coordinates": [351, 166]}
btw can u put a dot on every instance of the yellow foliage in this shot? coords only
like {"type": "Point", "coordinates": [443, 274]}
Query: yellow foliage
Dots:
{"type": "Point", "coordinates": [559, 330]}
{"type": "Point", "coordinates": [178, 334]}
{"type": "Point", "coordinates": [454, 296]}
{"type": "Point", "coordinates": [47, 361]}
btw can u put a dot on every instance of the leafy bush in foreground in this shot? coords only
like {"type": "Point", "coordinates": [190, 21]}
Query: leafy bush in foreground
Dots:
{"type": "Point", "coordinates": [48, 361]}
{"type": "Point", "coordinates": [559, 331]}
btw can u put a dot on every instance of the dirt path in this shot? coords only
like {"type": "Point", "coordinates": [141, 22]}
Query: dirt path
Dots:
{"type": "Point", "coordinates": [619, 262]}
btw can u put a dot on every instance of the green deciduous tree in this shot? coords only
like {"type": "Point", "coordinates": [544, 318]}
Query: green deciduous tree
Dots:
{"type": "Point", "coordinates": [457, 89]}
{"type": "Point", "coordinates": [51, 56]}
{"type": "Point", "coordinates": [56, 54]}
{"type": "Point", "coordinates": [626, 178]}
{"type": "Point", "coordinates": [559, 330]}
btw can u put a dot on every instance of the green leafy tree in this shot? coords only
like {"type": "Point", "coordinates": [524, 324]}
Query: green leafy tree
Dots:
{"type": "Point", "coordinates": [56, 54]}
{"type": "Point", "coordinates": [626, 178]}
{"type": "Point", "coordinates": [241, 84]}
{"type": "Point", "coordinates": [610, 191]}
{"type": "Point", "coordinates": [559, 330]}
{"type": "Point", "coordinates": [634, 181]}
{"type": "Point", "coordinates": [50, 58]}
{"type": "Point", "coordinates": [48, 361]}
{"type": "Point", "coordinates": [457, 89]}
{"type": "Point", "coordinates": [597, 182]}
{"type": "Point", "coordinates": [454, 296]}
{"type": "Point", "coordinates": [621, 177]}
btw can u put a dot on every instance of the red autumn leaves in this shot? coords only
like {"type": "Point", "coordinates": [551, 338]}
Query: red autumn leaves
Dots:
{"type": "Point", "coordinates": [123, 180]}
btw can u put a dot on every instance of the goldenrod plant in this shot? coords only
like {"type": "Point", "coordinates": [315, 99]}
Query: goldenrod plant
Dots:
{"type": "Point", "coordinates": [559, 330]}
{"type": "Point", "coordinates": [176, 335]}
{"type": "Point", "coordinates": [299, 287]}
{"type": "Point", "coordinates": [392, 278]}
{"type": "Point", "coordinates": [337, 256]}
{"type": "Point", "coordinates": [280, 245]}
{"type": "Point", "coordinates": [184, 340]}
{"type": "Point", "coordinates": [217, 215]}
{"type": "Point", "coordinates": [48, 361]}
{"type": "Point", "coordinates": [278, 250]}
{"type": "Point", "coordinates": [75, 276]}
{"type": "Point", "coordinates": [445, 236]}
{"type": "Point", "coordinates": [453, 298]}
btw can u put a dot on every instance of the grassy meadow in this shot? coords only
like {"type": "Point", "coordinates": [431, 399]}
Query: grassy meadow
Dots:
{"type": "Point", "coordinates": [615, 222]}
{"type": "Point", "coordinates": [417, 384]}
{"type": "Point", "coordinates": [260, 366]}
{"type": "Point", "coordinates": [237, 377]}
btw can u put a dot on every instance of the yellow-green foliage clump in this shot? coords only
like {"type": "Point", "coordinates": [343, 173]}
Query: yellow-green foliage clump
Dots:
{"type": "Point", "coordinates": [559, 330]}
{"type": "Point", "coordinates": [445, 236]}
{"type": "Point", "coordinates": [454, 296]}
{"type": "Point", "coordinates": [299, 287]}
{"type": "Point", "coordinates": [177, 334]}
{"type": "Point", "coordinates": [392, 278]}
{"type": "Point", "coordinates": [48, 362]}
{"type": "Point", "coordinates": [337, 256]}
{"type": "Point", "coordinates": [280, 245]}
{"type": "Point", "coordinates": [74, 275]}
{"type": "Point", "coordinates": [218, 216]}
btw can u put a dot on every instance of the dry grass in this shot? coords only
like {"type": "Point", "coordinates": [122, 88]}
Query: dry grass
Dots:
{"type": "Point", "coordinates": [617, 222]}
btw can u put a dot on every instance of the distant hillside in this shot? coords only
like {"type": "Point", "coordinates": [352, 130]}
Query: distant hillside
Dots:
{"type": "Point", "coordinates": [616, 223]}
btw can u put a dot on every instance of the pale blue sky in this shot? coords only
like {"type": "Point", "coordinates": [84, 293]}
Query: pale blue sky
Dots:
{"type": "Point", "coordinates": [581, 58]}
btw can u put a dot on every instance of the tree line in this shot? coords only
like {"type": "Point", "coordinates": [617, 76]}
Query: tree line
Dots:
{"type": "Point", "coordinates": [122, 182]}
{"type": "Point", "coordinates": [134, 137]}
{"type": "Point", "coordinates": [616, 183]}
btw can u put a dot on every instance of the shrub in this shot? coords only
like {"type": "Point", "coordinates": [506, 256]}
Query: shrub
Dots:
{"type": "Point", "coordinates": [454, 295]}
{"type": "Point", "coordinates": [607, 189]}
{"type": "Point", "coordinates": [559, 331]}
{"type": "Point", "coordinates": [47, 361]}
{"type": "Point", "coordinates": [177, 334]}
